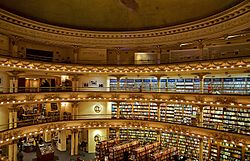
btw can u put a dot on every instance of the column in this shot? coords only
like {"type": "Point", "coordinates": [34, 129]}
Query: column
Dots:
{"type": "Point", "coordinates": [14, 80]}
{"type": "Point", "coordinates": [76, 142]}
{"type": "Point", "coordinates": [243, 153]}
{"type": "Point", "coordinates": [201, 78]}
{"type": "Point", "coordinates": [61, 144]}
{"type": "Point", "coordinates": [118, 78]}
{"type": "Point", "coordinates": [158, 111]}
{"type": "Point", "coordinates": [15, 117]}
{"type": "Point", "coordinates": [117, 133]}
{"type": "Point", "coordinates": [74, 106]}
{"type": "Point", "coordinates": [76, 53]}
{"type": "Point", "coordinates": [14, 45]}
{"type": "Point", "coordinates": [11, 152]}
{"type": "Point", "coordinates": [158, 81]}
{"type": "Point", "coordinates": [201, 149]}
{"type": "Point", "coordinates": [118, 83]}
{"type": "Point", "coordinates": [12, 117]}
{"type": "Point", "coordinates": [118, 58]}
{"type": "Point", "coordinates": [200, 115]}
{"type": "Point", "coordinates": [118, 110]}
{"type": "Point", "coordinates": [47, 136]}
{"type": "Point", "coordinates": [75, 80]}
{"type": "Point", "coordinates": [13, 84]}
{"type": "Point", "coordinates": [158, 136]}
{"type": "Point", "coordinates": [15, 149]}
{"type": "Point", "coordinates": [72, 150]}
{"type": "Point", "coordinates": [159, 55]}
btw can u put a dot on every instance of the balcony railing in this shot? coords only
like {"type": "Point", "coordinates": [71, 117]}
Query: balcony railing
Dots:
{"type": "Point", "coordinates": [231, 91]}
{"type": "Point", "coordinates": [7, 54]}
{"type": "Point", "coordinates": [41, 120]}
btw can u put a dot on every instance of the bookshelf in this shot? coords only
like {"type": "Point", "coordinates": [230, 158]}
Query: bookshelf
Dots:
{"type": "Point", "coordinates": [117, 152]}
{"type": "Point", "coordinates": [177, 113]}
{"type": "Point", "coordinates": [137, 110]}
{"type": "Point", "coordinates": [144, 135]}
{"type": "Point", "coordinates": [102, 148]}
{"type": "Point", "coordinates": [186, 145]}
{"type": "Point", "coordinates": [230, 119]}
{"type": "Point", "coordinates": [143, 152]}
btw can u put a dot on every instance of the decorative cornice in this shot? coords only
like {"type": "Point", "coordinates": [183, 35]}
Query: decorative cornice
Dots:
{"type": "Point", "coordinates": [234, 19]}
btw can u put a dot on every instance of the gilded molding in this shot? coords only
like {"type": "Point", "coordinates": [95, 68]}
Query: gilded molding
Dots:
{"type": "Point", "coordinates": [106, 96]}
{"type": "Point", "coordinates": [209, 66]}
{"type": "Point", "coordinates": [234, 19]}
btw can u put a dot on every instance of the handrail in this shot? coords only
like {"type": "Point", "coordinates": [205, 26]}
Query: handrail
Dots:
{"type": "Point", "coordinates": [234, 91]}
{"type": "Point", "coordinates": [41, 120]}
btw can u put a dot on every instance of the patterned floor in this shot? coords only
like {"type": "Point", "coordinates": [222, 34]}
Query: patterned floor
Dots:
{"type": "Point", "coordinates": [61, 156]}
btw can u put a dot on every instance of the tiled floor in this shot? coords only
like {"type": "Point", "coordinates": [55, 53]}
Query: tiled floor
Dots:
{"type": "Point", "coordinates": [62, 156]}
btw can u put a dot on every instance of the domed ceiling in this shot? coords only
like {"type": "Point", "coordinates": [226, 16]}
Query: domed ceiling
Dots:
{"type": "Point", "coordinates": [116, 15]}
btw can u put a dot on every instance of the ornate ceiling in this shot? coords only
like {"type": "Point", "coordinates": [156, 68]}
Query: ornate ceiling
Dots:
{"type": "Point", "coordinates": [117, 15]}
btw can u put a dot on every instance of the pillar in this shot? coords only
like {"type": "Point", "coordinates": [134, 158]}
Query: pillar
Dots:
{"type": "Point", "coordinates": [72, 148]}
{"type": "Point", "coordinates": [159, 81]}
{"type": "Point", "coordinates": [11, 152]}
{"type": "Point", "coordinates": [159, 55]}
{"type": "Point", "coordinates": [74, 106]}
{"type": "Point", "coordinates": [14, 75]}
{"type": "Point", "coordinates": [47, 136]}
{"type": "Point", "coordinates": [12, 117]}
{"type": "Point", "coordinates": [200, 115]}
{"type": "Point", "coordinates": [75, 53]}
{"type": "Point", "coordinates": [75, 83]}
{"type": "Point", "coordinates": [14, 45]}
{"type": "Point", "coordinates": [118, 58]}
{"type": "Point", "coordinates": [118, 78]}
{"type": "Point", "coordinates": [118, 110]}
{"type": "Point", "coordinates": [76, 142]}
{"type": "Point", "coordinates": [201, 149]}
{"type": "Point", "coordinates": [201, 78]}
{"type": "Point", "coordinates": [118, 83]}
{"type": "Point", "coordinates": [13, 84]}
{"type": "Point", "coordinates": [158, 111]}
{"type": "Point", "coordinates": [61, 144]}
{"type": "Point", "coordinates": [117, 133]}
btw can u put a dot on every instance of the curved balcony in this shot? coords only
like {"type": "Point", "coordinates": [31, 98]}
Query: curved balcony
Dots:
{"type": "Point", "coordinates": [217, 91]}
{"type": "Point", "coordinates": [42, 124]}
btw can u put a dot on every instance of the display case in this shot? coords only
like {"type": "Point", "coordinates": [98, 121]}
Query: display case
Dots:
{"type": "Point", "coordinates": [45, 152]}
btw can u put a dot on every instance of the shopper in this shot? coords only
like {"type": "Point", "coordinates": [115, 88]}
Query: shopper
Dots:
{"type": "Point", "coordinates": [209, 88]}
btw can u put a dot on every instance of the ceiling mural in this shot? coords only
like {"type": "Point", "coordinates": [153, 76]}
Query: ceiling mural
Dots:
{"type": "Point", "coordinates": [116, 15]}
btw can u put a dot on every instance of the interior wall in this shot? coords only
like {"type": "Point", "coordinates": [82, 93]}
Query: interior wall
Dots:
{"type": "Point", "coordinates": [4, 82]}
{"type": "Point", "coordinates": [4, 115]}
{"type": "Point", "coordinates": [92, 56]}
{"type": "Point", "coordinates": [88, 108]}
{"type": "Point", "coordinates": [60, 54]}
{"type": "Point", "coordinates": [93, 81]}
{"type": "Point", "coordinates": [102, 133]}
{"type": "Point", "coordinates": [4, 44]}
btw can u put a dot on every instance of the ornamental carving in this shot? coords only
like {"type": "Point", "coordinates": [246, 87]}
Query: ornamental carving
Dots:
{"type": "Point", "coordinates": [7, 98]}
{"type": "Point", "coordinates": [226, 100]}
{"type": "Point", "coordinates": [52, 96]}
{"type": "Point", "coordinates": [30, 97]}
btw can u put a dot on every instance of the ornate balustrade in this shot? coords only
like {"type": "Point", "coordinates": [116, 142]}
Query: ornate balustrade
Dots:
{"type": "Point", "coordinates": [104, 121]}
